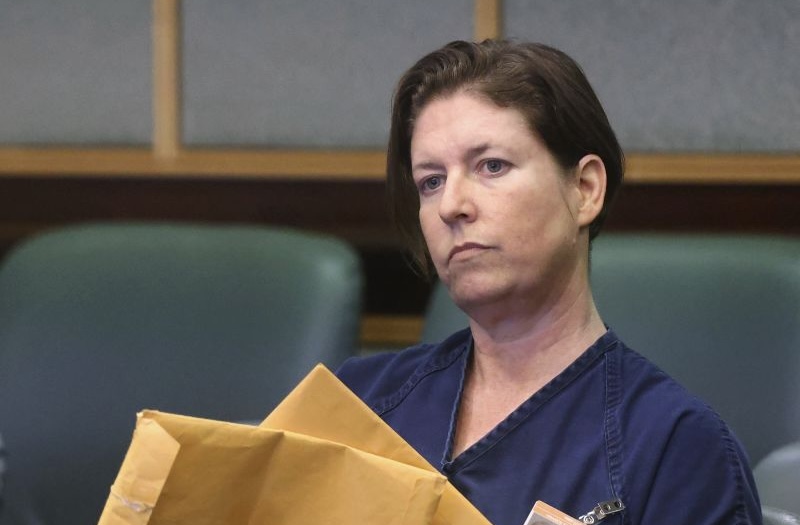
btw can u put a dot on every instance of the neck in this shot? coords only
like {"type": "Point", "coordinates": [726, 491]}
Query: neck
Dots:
{"type": "Point", "coordinates": [530, 349]}
{"type": "Point", "coordinates": [512, 361]}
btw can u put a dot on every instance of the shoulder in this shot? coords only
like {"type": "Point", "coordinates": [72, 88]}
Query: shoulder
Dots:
{"type": "Point", "coordinates": [383, 375]}
{"type": "Point", "coordinates": [652, 399]}
{"type": "Point", "coordinates": [656, 407]}
{"type": "Point", "coordinates": [678, 447]}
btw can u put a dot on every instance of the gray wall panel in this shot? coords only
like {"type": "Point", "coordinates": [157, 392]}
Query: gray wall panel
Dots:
{"type": "Point", "coordinates": [75, 72]}
{"type": "Point", "coordinates": [303, 73]}
{"type": "Point", "coordinates": [682, 75]}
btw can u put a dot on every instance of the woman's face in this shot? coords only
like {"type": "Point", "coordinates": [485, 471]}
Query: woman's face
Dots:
{"type": "Point", "coordinates": [499, 215]}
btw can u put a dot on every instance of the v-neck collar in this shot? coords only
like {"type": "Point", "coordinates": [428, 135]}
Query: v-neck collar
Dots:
{"type": "Point", "coordinates": [525, 410]}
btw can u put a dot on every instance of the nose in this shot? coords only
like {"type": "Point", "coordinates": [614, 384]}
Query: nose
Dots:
{"type": "Point", "coordinates": [457, 199]}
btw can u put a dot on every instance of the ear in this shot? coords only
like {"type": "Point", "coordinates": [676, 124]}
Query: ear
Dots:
{"type": "Point", "coordinates": [590, 177]}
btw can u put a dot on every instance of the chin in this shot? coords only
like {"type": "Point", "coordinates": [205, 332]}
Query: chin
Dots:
{"type": "Point", "coordinates": [472, 294]}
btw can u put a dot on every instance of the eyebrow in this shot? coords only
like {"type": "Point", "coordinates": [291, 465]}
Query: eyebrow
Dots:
{"type": "Point", "coordinates": [478, 150]}
{"type": "Point", "coordinates": [426, 166]}
{"type": "Point", "coordinates": [471, 153]}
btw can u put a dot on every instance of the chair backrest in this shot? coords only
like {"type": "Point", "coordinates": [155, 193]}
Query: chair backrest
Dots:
{"type": "Point", "coordinates": [720, 313]}
{"type": "Point", "coordinates": [778, 480]}
{"type": "Point", "coordinates": [774, 516]}
{"type": "Point", "coordinates": [442, 317]}
{"type": "Point", "coordinates": [100, 321]}
{"type": "Point", "coordinates": [2, 471]}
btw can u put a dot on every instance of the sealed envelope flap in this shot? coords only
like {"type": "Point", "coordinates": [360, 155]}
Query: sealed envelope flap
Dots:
{"type": "Point", "coordinates": [236, 474]}
{"type": "Point", "coordinates": [143, 473]}
{"type": "Point", "coordinates": [322, 406]}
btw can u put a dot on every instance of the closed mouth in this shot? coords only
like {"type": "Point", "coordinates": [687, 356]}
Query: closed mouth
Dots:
{"type": "Point", "coordinates": [465, 249]}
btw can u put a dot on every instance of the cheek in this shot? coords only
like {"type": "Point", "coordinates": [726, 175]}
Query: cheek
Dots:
{"type": "Point", "coordinates": [435, 233]}
{"type": "Point", "coordinates": [427, 223]}
{"type": "Point", "coordinates": [535, 219]}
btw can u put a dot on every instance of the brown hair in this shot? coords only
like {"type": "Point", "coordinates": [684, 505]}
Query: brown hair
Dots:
{"type": "Point", "coordinates": [544, 84]}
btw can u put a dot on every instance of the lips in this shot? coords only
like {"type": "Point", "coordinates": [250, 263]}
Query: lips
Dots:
{"type": "Point", "coordinates": [466, 250]}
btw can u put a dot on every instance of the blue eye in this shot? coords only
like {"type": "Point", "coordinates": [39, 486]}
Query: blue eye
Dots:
{"type": "Point", "coordinates": [431, 183]}
{"type": "Point", "coordinates": [494, 166]}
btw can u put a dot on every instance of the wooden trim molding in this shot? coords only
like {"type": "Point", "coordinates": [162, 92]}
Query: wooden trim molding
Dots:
{"type": "Point", "coordinates": [300, 164]}
{"type": "Point", "coordinates": [668, 168]}
{"type": "Point", "coordinates": [204, 163]}
{"type": "Point", "coordinates": [166, 78]}
{"type": "Point", "coordinates": [390, 330]}
{"type": "Point", "coordinates": [488, 19]}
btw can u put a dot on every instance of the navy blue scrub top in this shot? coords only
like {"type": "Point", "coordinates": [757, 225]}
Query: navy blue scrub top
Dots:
{"type": "Point", "coordinates": [612, 425]}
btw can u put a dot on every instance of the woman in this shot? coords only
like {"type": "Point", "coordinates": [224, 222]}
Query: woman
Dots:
{"type": "Point", "coordinates": [501, 167]}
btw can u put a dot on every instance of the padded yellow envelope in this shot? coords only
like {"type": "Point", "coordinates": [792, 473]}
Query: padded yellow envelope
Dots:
{"type": "Point", "coordinates": [321, 457]}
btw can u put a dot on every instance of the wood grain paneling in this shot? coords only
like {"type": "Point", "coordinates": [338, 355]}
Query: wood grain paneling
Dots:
{"type": "Point", "coordinates": [642, 168]}
{"type": "Point", "coordinates": [166, 78]}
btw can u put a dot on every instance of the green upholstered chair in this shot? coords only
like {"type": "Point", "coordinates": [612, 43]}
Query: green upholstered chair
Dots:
{"type": "Point", "coordinates": [2, 471]}
{"type": "Point", "coordinates": [778, 480]}
{"type": "Point", "coordinates": [102, 320]}
{"type": "Point", "coordinates": [720, 313]}
{"type": "Point", "coordinates": [773, 516]}
{"type": "Point", "coordinates": [442, 318]}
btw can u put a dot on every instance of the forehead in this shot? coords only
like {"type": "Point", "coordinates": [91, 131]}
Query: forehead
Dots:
{"type": "Point", "coordinates": [465, 119]}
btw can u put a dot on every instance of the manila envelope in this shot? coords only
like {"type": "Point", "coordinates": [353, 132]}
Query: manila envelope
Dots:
{"type": "Point", "coordinates": [184, 470]}
{"type": "Point", "coordinates": [323, 407]}
{"type": "Point", "coordinates": [322, 456]}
